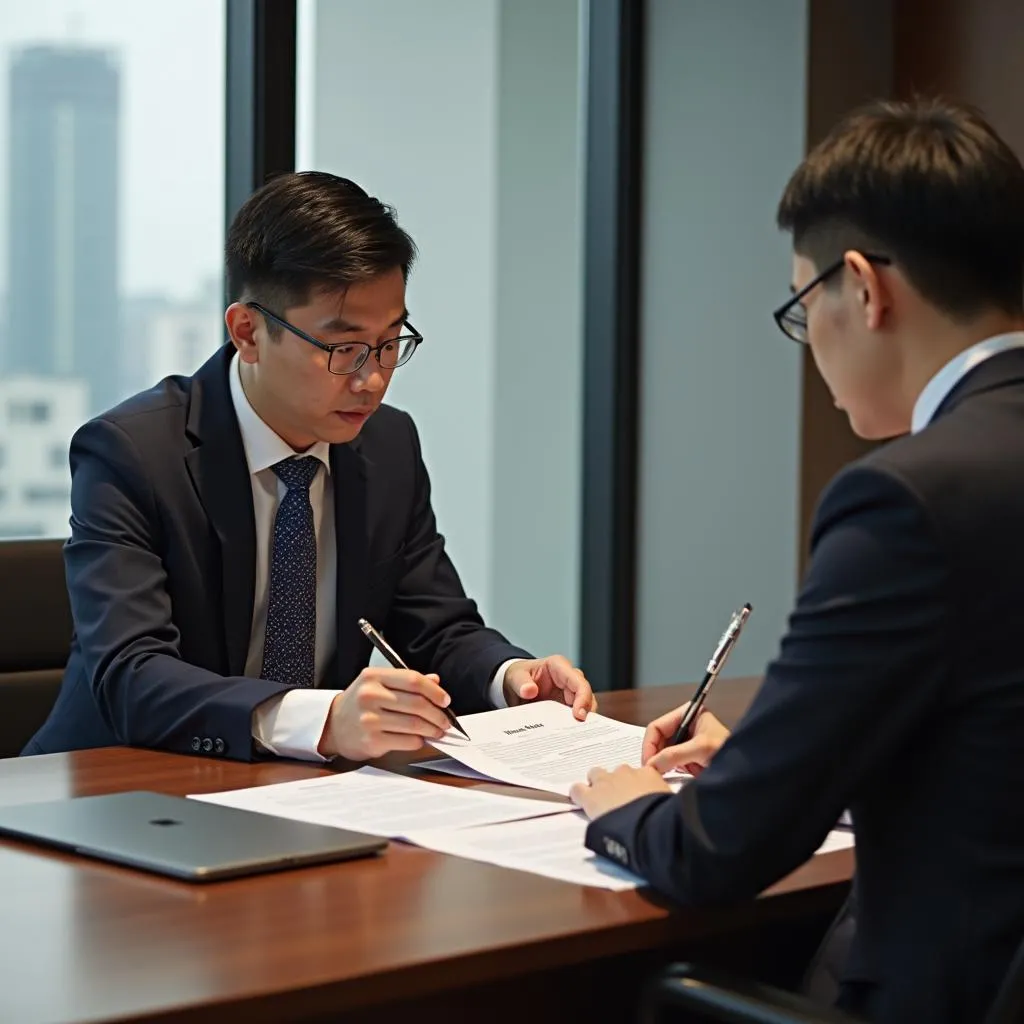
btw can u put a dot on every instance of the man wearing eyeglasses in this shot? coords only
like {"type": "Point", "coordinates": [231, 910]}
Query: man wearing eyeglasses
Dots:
{"type": "Point", "coordinates": [229, 530]}
{"type": "Point", "coordinates": [898, 690]}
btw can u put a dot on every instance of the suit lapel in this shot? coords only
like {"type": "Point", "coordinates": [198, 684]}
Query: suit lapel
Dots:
{"type": "Point", "coordinates": [348, 474]}
{"type": "Point", "coordinates": [220, 475]}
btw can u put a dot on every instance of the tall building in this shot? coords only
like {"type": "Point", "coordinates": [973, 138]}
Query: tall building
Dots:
{"type": "Point", "coordinates": [62, 290]}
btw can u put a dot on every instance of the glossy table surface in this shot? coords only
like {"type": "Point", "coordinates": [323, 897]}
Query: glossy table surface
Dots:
{"type": "Point", "coordinates": [85, 941]}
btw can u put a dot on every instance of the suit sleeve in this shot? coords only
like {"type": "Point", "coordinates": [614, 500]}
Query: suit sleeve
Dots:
{"type": "Point", "coordinates": [145, 692]}
{"type": "Point", "coordinates": [433, 620]}
{"type": "Point", "coordinates": [858, 671]}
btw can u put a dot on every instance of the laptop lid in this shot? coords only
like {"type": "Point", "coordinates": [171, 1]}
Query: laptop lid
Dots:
{"type": "Point", "coordinates": [188, 839]}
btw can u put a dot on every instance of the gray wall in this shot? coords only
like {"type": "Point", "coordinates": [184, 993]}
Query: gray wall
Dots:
{"type": "Point", "coordinates": [720, 391]}
{"type": "Point", "coordinates": [464, 115]}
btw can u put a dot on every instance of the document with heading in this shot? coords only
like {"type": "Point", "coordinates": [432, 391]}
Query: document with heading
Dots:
{"type": "Point", "coordinates": [541, 745]}
{"type": "Point", "coordinates": [382, 803]}
{"type": "Point", "coordinates": [551, 846]}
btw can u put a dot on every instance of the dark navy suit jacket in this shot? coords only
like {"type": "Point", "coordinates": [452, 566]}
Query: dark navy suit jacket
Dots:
{"type": "Point", "coordinates": [161, 564]}
{"type": "Point", "coordinates": [898, 692]}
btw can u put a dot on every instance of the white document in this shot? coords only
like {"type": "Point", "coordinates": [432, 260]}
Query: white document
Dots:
{"type": "Point", "coordinates": [837, 839]}
{"type": "Point", "coordinates": [541, 745]}
{"type": "Point", "coordinates": [553, 847]}
{"type": "Point", "coordinates": [449, 766]}
{"type": "Point", "coordinates": [382, 803]}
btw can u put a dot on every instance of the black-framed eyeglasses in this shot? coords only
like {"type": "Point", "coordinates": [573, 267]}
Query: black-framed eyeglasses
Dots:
{"type": "Point", "coordinates": [349, 356]}
{"type": "Point", "coordinates": [792, 317]}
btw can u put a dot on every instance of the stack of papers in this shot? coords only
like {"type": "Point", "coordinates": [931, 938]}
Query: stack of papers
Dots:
{"type": "Point", "coordinates": [382, 804]}
{"type": "Point", "coordinates": [552, 846]}
{"type": "Point", "coordinates": [538, 746]}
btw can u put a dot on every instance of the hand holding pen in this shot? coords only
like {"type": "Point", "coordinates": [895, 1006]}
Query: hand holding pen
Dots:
{"type": "Point", "coordinates": [395, 661]}
{"type": "Point", "coordinates": [687, 738]}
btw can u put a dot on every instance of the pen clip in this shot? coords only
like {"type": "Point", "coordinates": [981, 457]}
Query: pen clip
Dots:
{"type": "Point", "coordinates": [728, 638]}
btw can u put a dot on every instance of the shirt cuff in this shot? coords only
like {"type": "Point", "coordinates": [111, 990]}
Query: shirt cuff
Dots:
{"type": "Point", "coordinates": [291, 725]}
{"type": "Point", "coordinates": [496, 691]}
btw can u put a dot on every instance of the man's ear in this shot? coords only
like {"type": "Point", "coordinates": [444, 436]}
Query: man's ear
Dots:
{"type": "Point", "coordinates": [873, 294]}
{"type": "Point", "coordinates": [242, 324]}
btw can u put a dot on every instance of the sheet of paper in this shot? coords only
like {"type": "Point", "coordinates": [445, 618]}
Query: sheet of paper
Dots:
{"type": "Point", "coordinates": [449, 766]}
{"type": "Point", "coordinates": [381, 803]}
{"type": "Point", "coordinates": [553, 847]}
{"type": "Point", "coordinates": [837, 839]}
{"type": "Point", "coordinates": [541, 745]}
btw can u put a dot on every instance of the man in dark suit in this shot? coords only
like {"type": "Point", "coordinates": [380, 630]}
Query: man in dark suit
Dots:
{"type": "Point", "coordinates": [898, 691]}
{"type": "Point", "coordinates": [230, 529]}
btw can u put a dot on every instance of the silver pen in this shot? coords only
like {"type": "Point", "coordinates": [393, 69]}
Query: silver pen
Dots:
{"type": "Point", "coordinates": [717, 660]}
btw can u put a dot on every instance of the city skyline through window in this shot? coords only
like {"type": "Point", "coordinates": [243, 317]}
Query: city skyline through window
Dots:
{"type": "Point", "coordinates": [111, 189]}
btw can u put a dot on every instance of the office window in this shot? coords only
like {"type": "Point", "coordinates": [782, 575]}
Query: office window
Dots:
{"type": "Point", "coordinates": [111, 187]}
{"type": "Point", "coordinates": [27, 412]}
{"type": "Point", "coordinates": [489, 102]}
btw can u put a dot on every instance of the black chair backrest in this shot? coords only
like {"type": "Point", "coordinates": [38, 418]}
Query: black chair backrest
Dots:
{"type": "Point", "coordinates": [35, 635]}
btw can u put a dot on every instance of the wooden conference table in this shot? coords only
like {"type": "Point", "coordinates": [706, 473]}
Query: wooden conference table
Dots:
{"type": "Point", "coordinates": [411, 934]}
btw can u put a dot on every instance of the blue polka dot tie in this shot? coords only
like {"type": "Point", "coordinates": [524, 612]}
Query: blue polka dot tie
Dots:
{"type": "Point", "coordinates": [289, 647]}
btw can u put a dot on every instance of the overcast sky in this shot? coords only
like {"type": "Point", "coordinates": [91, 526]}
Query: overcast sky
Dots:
{"type": "Point", "coordinates": [172, 127]}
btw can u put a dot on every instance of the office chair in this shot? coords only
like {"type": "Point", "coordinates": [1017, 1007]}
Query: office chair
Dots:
{"type": "Point", "coordinates": [35, 636]}
{"type": "Point", "coordinates": [709, 995]}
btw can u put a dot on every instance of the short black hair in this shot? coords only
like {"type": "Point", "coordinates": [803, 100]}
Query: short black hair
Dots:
{"type": "Point", "coordinates": [929, 184]}
{"type": "Point", "coordinates": [310, 230]}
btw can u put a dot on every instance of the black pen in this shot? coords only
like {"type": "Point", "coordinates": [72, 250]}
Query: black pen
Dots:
{"type": "Point", "coordinates": [396, 662]}
{"type": "Point", "coordinates": [718, 659]}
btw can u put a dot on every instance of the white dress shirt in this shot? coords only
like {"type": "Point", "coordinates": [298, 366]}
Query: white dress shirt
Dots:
{"type": "Point", "coordinates": [291, 725]}
{"type": "Point", "coordinates": [936, 390]}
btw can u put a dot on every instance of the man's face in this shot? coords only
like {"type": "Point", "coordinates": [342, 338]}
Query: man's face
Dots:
{"type": "Point", "coordinates": [292, 385]}
{"type": "Point", "coordinates": [857, 361]}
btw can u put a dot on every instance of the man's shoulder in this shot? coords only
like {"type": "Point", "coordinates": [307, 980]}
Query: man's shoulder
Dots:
{"type": "Point", "coordinates": [169, 397]}
{"type": "Point", "coordinates": [156, 415]}
{"type": "Point", "coordinates": [387, 427]}
{"type": "Point", "coordinates": [886, 477]}
{"type": "Point", "coordinates": [959, 466]}
{"type": "Point", "coordinates": [389, 418]}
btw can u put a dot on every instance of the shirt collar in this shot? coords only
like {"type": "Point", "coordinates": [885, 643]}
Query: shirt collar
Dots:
{"type": "Point", "coordinates": [936, 390]}
{"type": "Point", "coordinates": [263, 447]}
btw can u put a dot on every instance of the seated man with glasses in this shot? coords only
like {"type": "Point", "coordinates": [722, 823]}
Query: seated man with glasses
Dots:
{"type": "Point", "coordinates": [230, 530]}
{"type": "Point", "coordinates": [898, 690]}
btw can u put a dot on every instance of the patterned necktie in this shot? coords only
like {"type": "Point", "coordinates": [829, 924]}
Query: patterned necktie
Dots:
{"type": "Point", "coordinates": [289, 647]}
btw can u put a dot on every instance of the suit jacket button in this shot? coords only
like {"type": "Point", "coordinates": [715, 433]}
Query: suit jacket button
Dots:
{"type": "Point", "coordinates": [218, 746]}
{"type": "Point", "coordinates": [207, 745]}
{"type": "Point", "coordinates": [196, 744]}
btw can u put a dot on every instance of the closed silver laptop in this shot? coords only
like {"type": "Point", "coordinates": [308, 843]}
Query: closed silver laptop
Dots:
{"type": "Point", "coordinates": [182, 838]}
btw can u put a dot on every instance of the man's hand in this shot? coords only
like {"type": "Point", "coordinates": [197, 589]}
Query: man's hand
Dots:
{"type": "Point", "coordinates": [607, 791]}
{"type": "Point", "coordinates": [385, 709]}
{"type": "Point", "coordinates": [693, 755]}
{"type": "Point", "coordinates": [553, 678]}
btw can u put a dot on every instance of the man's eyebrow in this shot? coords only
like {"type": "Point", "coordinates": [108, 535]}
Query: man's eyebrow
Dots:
{"type": "Point", "coordinates": [340, 325]}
